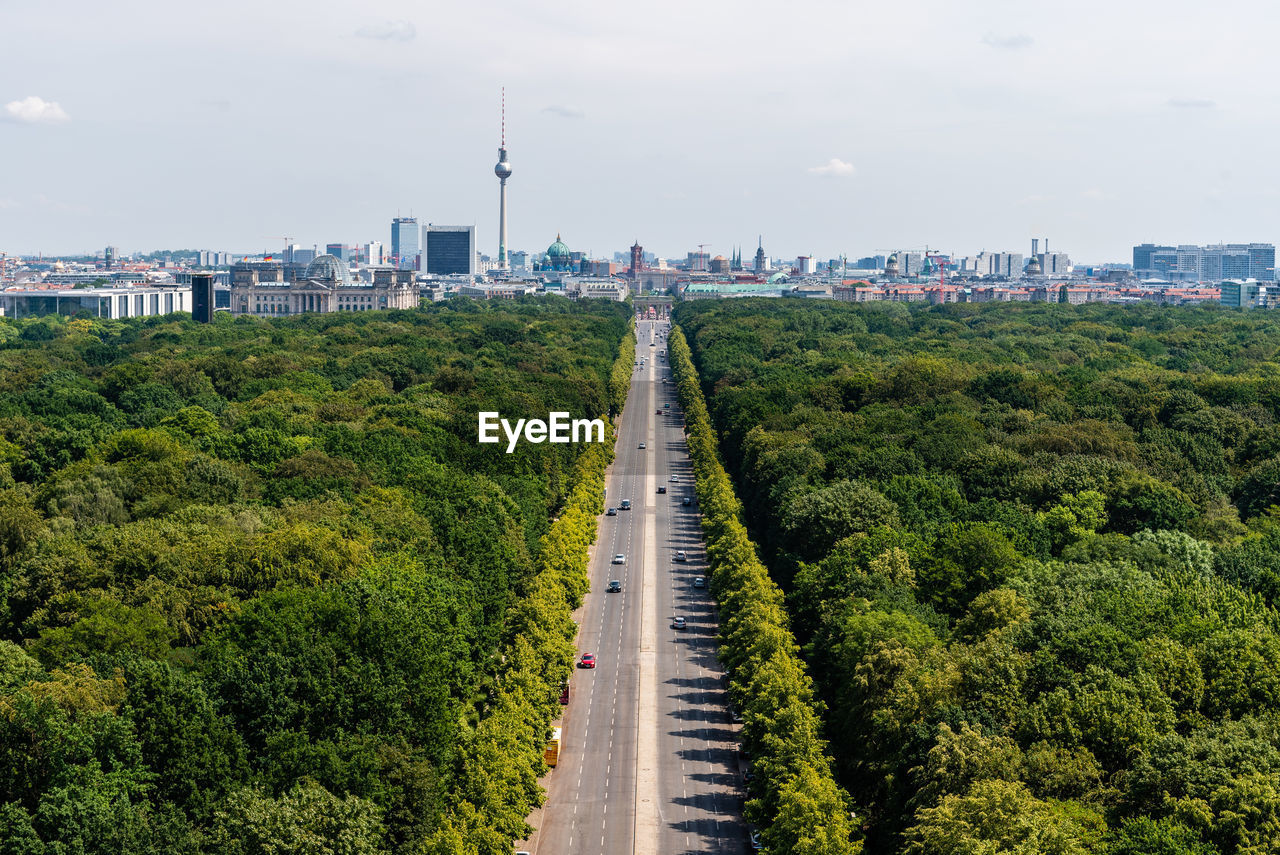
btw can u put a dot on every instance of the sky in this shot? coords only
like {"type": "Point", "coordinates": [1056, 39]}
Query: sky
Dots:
{"type": "Point", "coordinates": [822, 127]}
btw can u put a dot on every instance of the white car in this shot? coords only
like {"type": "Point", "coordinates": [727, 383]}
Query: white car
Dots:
{"type": "Point", "coordinates": [678, 623]}
{"type": "Point", "coordinates": [680, 556]}
{"type": "Point", "coordinates": [675, 479]}
{"type": "Point", "coordinates": [619, 559]}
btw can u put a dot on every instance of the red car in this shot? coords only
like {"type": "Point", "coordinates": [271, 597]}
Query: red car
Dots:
{"type": "Point", "coordinates": [588, 661]}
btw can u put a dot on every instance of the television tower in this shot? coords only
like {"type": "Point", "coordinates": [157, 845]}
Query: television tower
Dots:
{"type": "Point", "coordinates": [503, 171]}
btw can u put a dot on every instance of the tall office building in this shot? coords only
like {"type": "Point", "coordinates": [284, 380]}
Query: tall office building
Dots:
{"type": "Point", "coordinates": [404, 243]}
{"type": "Point", "coordinates": [1208, 263]}
{"type": "Point", "coordinates": [448, 250]}
{"type": "Point", "coordinates": [374, 254]}
{"type": "Point", "coordinates": [202, 297]}
{"type": "Point", "coordinates": [339, 250]}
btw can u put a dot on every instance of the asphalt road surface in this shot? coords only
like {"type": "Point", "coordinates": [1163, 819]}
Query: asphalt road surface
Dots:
{"type": "Point", "coordinates": [648, 760]}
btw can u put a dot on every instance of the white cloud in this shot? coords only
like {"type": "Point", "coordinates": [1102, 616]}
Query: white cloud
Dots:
{"type": "Point", "coordinates": [835, 166]}
{"type": "Point", "coordinates": [1009, 42]}
{"type": "Point", "coordinates": [35, 110]}
{"type": "Point", "coordinates": [564, 111]}
{"type": "Point", "coordinates": [389, 31]}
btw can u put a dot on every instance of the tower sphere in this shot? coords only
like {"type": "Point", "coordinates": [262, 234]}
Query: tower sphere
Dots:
{"type": "Point", "coordinates": [503, 169]}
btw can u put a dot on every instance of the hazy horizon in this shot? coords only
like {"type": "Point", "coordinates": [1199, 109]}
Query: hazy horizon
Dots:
{"type": "Point", "coordinates": [826, 128]}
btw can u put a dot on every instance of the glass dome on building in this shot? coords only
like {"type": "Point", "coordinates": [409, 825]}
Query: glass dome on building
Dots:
{"type": "Point", "coordinates": [328, 268]}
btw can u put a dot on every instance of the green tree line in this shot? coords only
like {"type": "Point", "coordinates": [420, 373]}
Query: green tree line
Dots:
{"type": "Point", "coordinates": [1031, 554]}
{"type": "Point", "coordinates": [793, 795]}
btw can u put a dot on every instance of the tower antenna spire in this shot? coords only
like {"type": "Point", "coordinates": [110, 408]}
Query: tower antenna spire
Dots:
{"type": "Point", "coordinates": [504, 117]}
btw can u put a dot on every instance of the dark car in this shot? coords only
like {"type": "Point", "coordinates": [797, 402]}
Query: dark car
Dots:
{"type": "Point", "coordinates": [660, 413]}
{"type": "Point", "coordinates": [662, 490]}
{"type": "Point", "coordinates": [615, 586]}
{"type": "Point", "coordinates": [624, 505]}
{"type": "Point", "coordinates": [686, 501]}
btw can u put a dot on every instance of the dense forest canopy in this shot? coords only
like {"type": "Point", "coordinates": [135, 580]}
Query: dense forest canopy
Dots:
{"type": "Point", "coordinates": [1033, 555]}
{"type": "Point", "coordinates": [253, 574]}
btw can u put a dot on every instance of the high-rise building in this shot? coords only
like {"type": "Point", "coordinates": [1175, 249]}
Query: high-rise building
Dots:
{"type": "Point", "coordinates": [374, 254]}
{"type": "Point", "coordinates": [110, 257]}
{"type": "Point", "coordinates": [404, 243]}
{"type": "Point", "coordinates": [339, 250]}
{"type": "Point", "coordinates": [637, 259]}
{"type": "Point", "coordinates": [762, 263]}
{"type": "Point", "coordinates": [503, 171]}
{"type": "Point", "coordinates": [448, 250]}
{"type": "Point", "coordinates": [1143, 255]}
{"type": "Point", "coordinates": [202, 298]}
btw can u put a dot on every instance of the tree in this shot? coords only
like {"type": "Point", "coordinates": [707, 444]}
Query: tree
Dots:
{"type": "Point", "coordinates": [307, 820]}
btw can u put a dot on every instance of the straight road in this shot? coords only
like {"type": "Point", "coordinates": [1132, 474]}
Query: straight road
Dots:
{"type": "Point", "coordinates": [648, 759]}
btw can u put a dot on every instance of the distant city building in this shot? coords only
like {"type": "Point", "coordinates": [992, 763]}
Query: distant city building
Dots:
{"type": "Point", "coordinates": [805, 265]}
{"type": "Point", "coordinates": [126, 302]}
{"type": "Point", "coordinates": [325, 285]}
{"type": "Point", "coordinates": [870, 262]}
{"type": "Point", "coordinates": [761, 263]}
{"type": "Point", "coordinates": [519, 260]}
{"type": "Point", "coordinates": [374, 254]}
{"type": "Point", "coordinates": [719, 264]}
{"type": "Point", "coordinates": [637, 259]}
{"type": "Point", "coordinates": [109, 257]}
{"type": "Point", "coordinates": [404, 243]}
{"type": "Point", "coordinates": [597, 288]}
{"type": "Point", "coordinates": [340, 250]}
{"type": "Point", "coordinates": [1243, 294]}
{"type": "Point", "coordinates": [1207, 263]}
{"type": "Point", "coordinates": [1006, 264]}
{"type": "Point", "coordinates": [698, 261]}
{"type": "Point", "coordinates": [448, 250]}
{"type": "Point", "coordinates": [557, 259]}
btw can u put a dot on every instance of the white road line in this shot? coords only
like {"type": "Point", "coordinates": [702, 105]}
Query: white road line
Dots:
{"type": "Point", "coordinates": [647, 820]}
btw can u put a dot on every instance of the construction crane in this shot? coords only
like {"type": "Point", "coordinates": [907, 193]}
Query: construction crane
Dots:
{"type": "Point", "coordinates": [288, 242]}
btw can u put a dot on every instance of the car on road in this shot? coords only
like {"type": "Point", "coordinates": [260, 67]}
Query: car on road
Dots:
{"type": "Point", "coordinates": [624, 505]}
{"type": "Point", "coordinates": [686, 501]}
{"type": "Point", "coordinates": [642, 445]}
{"type": "Point", "coordinates": [588, 660]}
{"type": "Point", "coordinates": [675, 479]}
{"type": "Point", "coordinates": [680, 555]}
{"type": "Point", "coordinates": [662, 490]}
{"type": "Point", "coordinates": [619, 559]}
{"type": "Point", "coordinates": [615, 586]}
{"type": "Point", "coordinates": [612, 512]}
{"type": "Point", "coordinates": [678, 623]}
{"type": "Point", "coordinates": [666, 406]}
{"type": "Point", "coordinates": [651, 344]}
{"type": "Point", "coordinates": [699, 582]}
{"type": "Point", "coordinates": [659, 413]}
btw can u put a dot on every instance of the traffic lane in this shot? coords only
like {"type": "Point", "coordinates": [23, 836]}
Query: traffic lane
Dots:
{"type": "Point", "coordinates": [592, 790]}
{"type": "Point", "coordinates": [700, 781]}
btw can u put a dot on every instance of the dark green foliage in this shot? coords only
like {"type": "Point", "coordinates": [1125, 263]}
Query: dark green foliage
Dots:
{"type": "Point", "coordinates": [1047, 621]}
{"type": "Point", "coordinates": [257, 578]}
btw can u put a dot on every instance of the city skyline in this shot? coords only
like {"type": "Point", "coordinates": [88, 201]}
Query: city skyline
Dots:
{"type": "Point", "coordinates": [922, 124]}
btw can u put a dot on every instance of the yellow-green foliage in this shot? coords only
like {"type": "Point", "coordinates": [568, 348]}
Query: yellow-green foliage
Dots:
{"type": "Point", "coordinates": [501, 757]}
{"type": "Point", "coordinates": [793, 796]}
{"type": "Point", "coordinates": [620, 378]}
